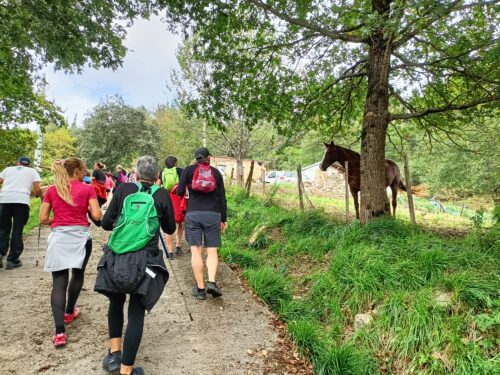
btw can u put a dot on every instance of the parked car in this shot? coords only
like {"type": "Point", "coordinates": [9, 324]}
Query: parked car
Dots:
{"type": "Point", "coordinates": [276, 177]}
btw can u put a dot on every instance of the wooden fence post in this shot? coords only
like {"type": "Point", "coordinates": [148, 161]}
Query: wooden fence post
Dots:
{"type": "Point", "coordinates": [248, 185]}
{"type": "Point", "coordinates": [263, 177]}
{"type": "Point", "coordinates": [409, 193]}
{"type": "Point", "coordinates": [299, 183]}
{"type": "Point", "coordinates": [346, 179]}
{"type": "Point", "coordinates": [231, 178]}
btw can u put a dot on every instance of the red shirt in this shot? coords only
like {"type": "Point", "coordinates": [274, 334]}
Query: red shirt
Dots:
{"type": "Point", "coordinates": [65, 214]}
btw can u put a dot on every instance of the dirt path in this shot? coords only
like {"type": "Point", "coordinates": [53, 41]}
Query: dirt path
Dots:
{"type": "Point", "coordinates": [229, 335]}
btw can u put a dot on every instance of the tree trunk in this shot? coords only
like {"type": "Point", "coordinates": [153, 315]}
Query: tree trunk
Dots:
{"type": "Point", "coordinates": [375, 123]}
{"type": "Point", "coordinates": [239, 172]}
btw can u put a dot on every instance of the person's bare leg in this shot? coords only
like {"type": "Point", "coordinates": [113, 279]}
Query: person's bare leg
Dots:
{"type": "Point", "coordinates": [212, 261]}
{"type": "Point", "coordinates": [126, 370]}
{"type": "Point", "coordinates": [169, 239]}
{"type": "Point", "coordinates": [197, 265]}
{"type": "Point", "coordinates": [116, 345]}
{"type": "Point", "coordinates": [178, 234]}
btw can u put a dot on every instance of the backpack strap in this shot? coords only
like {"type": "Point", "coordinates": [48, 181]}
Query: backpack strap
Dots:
{"type": "Point", "coordinates": [154, 189]}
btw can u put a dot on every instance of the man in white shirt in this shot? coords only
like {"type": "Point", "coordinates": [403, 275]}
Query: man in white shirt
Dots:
{"type": "Point", "coordinates": [15, 196]}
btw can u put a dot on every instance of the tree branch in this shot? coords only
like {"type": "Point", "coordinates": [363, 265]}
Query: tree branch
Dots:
{"type": "Point", "coordinates": [409, 32]}
{"type": "Point", "coordinates": [332, 34]}
{"type": "Point", "coordinates": [450, 107]}
{"type": "Point", "coordinates": [283, 45]}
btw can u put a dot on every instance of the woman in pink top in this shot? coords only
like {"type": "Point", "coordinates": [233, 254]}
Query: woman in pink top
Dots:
{"type": "Point", "coordinates": [69, 244]}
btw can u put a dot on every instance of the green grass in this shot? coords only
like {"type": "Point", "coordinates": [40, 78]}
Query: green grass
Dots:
{"type": "Point", "coordinates": [317, 274]}
{"type": "Point", "coordinates": [426, 214]}
{"type": "Point", "coordinates": [33, 220]}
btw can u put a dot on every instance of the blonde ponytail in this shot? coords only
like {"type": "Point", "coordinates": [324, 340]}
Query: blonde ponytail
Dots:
{"type": "Point", "coordinates": [61, 181]}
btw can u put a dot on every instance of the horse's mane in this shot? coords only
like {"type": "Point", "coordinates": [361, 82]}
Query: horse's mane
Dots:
{"type": "Point", "coordinates": [350, 153]}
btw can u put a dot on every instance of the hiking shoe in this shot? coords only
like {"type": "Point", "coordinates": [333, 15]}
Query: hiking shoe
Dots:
{"type": "Point", "coordinates": [178, 250]}
{"type": "Point", "coordinates": [12, 265]}
{"type": "Point", "coordinates": [60, 339]}
{"type": "Point", "coordinates": [138, 371]}
{"type": "Point", "coordinates": [199, 293]}
{"type": "Point", "coordinates": [68, 318]}
{"type": "Point", "coordinates": [213, 289]}
{"type": "Point", "coordinates": [112, 361]}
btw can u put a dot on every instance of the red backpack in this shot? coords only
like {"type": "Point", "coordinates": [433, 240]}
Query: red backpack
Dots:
{"type": "Point", "coordinates": [203, 179]}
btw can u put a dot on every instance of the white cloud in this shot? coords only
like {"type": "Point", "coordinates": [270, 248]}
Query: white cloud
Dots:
{"type": "Point", "coordinates": [141, 81]}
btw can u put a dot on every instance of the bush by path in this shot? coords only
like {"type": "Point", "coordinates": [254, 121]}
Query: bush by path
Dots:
{"type": "Point", "coordinates": [427, 304]}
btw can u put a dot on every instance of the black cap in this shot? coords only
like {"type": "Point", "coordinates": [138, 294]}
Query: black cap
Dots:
{"type": "Point", "coordinates": [24, 160]}
{"type": "Point", "coordinates": [201, 152]}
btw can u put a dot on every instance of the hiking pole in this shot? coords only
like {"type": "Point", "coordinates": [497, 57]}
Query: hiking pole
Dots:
{"type": "Point", "coordinates": [38, 246]}
{"type": "Point", "coordinates": [176, 280]}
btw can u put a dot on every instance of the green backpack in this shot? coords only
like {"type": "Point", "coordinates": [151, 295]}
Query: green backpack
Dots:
{"type": "Point", "coordinates": [137, 224]}
{"type": "Point", "coordinates": [169, 178]}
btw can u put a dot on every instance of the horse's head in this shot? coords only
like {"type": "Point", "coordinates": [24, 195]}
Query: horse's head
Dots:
{"type": "Point", "coordinates": [330, 156]}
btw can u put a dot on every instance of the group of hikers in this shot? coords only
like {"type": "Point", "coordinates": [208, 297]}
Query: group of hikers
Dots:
{"type": "Point", "coordinates": [142, 206]}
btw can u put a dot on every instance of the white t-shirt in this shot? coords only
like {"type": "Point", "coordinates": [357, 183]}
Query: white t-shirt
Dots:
{"type": "Point", "coordinates": [17, 184]}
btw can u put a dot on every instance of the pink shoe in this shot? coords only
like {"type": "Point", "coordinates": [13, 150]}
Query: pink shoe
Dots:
{"type": "Point", "coordinates": [68, 318]}
{"type": "Point", "coordinates": [60, 339]}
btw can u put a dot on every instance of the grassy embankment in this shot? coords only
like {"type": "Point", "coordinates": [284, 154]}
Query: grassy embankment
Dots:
{"type": "Point", "coordinates": [33, 219]}
{"type": "Point", "coordinates": [457, 218]}
{"type": "Point", "coordinates": [317, 275]}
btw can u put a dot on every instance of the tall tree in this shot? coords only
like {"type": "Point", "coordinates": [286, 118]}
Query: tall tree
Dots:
{"type": "Point", "coordinates": [15, 143]}
{"type": "Point", "coordinates": [229, 136]}
{"type": "Point", "coordinates": [115, 133]}
{"type": "Point", "coordinates": [58, 143]}
{"type": "Point", "coordinates": [70, 34]}
{"type": "Point", "coordinates": [324, 63]}
{"type": "Point", "coordinates": [179, 136]}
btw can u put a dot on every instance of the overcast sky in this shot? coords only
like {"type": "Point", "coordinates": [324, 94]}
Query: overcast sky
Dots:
{"type": "Point", "coordinates": [141, 81]}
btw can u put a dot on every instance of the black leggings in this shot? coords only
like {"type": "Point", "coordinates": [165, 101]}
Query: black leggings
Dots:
{"type": "Point", "coordinates": [135, 324]}
{"type": "Point", "coordinates": [101, 201]}
{"type": "Point", "coordinates": [60, 287]}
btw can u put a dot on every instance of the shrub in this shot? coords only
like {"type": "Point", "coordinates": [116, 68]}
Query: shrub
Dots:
{"type": "Point", "coordinates": [244, 259]}
{"type": "Point", "coordinates": [273, 288]}
{"type": "Point", "coordinates": [344, 360]}
{"type": "Point", "coordinates": [307, 335]}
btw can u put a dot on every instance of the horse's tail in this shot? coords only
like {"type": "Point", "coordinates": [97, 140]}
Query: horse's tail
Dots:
{"type": "Point", "coordinates": [402, 186]}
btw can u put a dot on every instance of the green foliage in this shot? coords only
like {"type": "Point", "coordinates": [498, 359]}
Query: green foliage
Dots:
{"type": "Point", "coordinates": [470, 166]}
{"type": "Point", "coordinates": [71, 35]}
{"type": "Point", "coordinates": [179, 135]}
{"type": "Point", "coordinates": [344, 360]}
{"type": "Point", "coordinates": [307, 335]}
{"type": "Point", "coordinates": [271, 287]}
{"type": "Point", "coordinates": [478, 219]}
{"type": "Point", "coordinates": [115, 133]}
{"type": "Point", "coordinates": [33, 219]}
{"type": "Point", "coordinates": [308, 74]}
{"type": "Point", "coordinates": [245, 259]}
{"type": "Point", "coordinates": [58, 143]}
{"type": "Point", "coordinates": [15, 143]}
{"type": "Point", "coordinates": [387, 269]}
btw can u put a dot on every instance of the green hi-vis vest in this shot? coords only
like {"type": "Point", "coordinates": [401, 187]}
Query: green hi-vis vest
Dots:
{"type": "Point", "coordinates": [169, 178]}
{"type": "Point", "coordinates": [137, 224]}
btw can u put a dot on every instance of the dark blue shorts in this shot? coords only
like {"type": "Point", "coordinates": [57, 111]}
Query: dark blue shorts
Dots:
{"type": "Point", "coordinates": [203, 227]}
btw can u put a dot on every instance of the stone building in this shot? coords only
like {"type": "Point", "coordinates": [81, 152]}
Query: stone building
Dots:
{"type": "Point", "coordinates": [227, 164]}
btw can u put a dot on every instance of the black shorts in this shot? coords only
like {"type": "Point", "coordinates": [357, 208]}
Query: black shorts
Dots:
{"type": "Point", "coordinates": [203, 225]}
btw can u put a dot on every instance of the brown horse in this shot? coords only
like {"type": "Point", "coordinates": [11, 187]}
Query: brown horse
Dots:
{"type": "Point", "coordinates": [339, 154]}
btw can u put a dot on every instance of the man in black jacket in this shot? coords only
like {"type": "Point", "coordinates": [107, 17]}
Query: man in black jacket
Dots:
{"type": "Point", "coordinates": [206, 218]}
